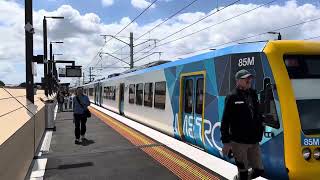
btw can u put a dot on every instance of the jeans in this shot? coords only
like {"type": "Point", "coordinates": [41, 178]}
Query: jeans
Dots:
{"type": "Point", "coordinates": [80, 120]}
{"type": "Point", "coordinates": [60, 107]}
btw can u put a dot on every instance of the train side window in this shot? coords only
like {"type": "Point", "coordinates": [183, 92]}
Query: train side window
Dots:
{"type": "Point", "coordinates": [148, 94]}
{"type": "Point", "coordinates": [199, 96]}
{"type": "Point", "coordinates": [188, 101]}
{"type": "Point", "coordinates": [105, 90]}
{"type": "Point", "coordinates": [90, 91]}
{"type": "Point", "coordinates": [139, 94]}
{"type": "Point", "coordinates": [131, 93]}
{"type": "Point", "coordinates": [160, 95]}
{"type": "Point", "coordinates": [113, 92]}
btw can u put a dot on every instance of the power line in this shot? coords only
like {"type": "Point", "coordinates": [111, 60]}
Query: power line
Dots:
{"type": "Point", "coordinates": [193, 24]}
{"type": "Point", "coordinates": [248, 37]}
{"type": "Point", "coordinates": [205, 17]}
{"type": "Point", "coordinates": [168, 18]}
{"type": "Point", "coordinates": [208, 27]}
{"type": "Point", "coordinates": [134, 19]}
{"type": "Point", "coordinates": [189, 25]}
{"type": "Point", "coordinates": [100, 50]}
{"type": "Point", "coordinates": [314, 37]}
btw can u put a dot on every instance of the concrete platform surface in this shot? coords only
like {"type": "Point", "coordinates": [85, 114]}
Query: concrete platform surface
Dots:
{"type": "Point", "coordinates": [107, 155]}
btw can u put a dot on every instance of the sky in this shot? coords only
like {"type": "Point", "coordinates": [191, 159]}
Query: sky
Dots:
{"type": "Point", "coordinates": [85, 21]}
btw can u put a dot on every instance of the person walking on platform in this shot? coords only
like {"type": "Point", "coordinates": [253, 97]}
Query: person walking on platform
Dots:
{"type": "Point", "coordinates": [60, 99]}
{"type": "Point", "coordinates": [242, 128]}
{"type": "Point", "coordinates": [80, 114]}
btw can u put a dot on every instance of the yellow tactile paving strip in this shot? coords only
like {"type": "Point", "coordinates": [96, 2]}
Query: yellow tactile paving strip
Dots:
{"type": "Point", "coordinates": [180, 166]}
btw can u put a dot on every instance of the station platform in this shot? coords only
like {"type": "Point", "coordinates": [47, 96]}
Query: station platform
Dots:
{"type": "Point", "coordinates": [113, 151]}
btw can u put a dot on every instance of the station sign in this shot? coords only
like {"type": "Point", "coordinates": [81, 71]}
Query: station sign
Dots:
{"type": "Point", "coordinates": [62, 72]}
{"type": "Point", "coordinates": [73, 71]}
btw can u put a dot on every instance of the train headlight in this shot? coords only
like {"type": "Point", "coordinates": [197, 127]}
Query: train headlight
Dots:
{"type": "Point", "coordinates": [306, 152]}
{"type": "Point", "coordinates": [316, 154]}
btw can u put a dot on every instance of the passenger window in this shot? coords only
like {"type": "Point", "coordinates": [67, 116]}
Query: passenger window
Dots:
{"type": "Point", "coordinates": [188, 102]}
{"type": "Point", "coordinates": [139, 93]}
{"type": "Point", "coordinates": [110, 92]}
{"type": "Point", "coordinates": [131, 93]}
{"type": "Point", "coordinates": [199, 96]}
{"type": "Point", "coordinates": [148, 94]}
{"type": "Point", "coordinates": [105, 94]}
{"type": "Point", "coordinates": [91, 92]}
{"type": "Point", "coordinates": [160, 95]}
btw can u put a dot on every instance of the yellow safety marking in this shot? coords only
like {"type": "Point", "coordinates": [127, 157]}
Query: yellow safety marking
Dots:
{"type": "Point", "coordinates": [160, 150]}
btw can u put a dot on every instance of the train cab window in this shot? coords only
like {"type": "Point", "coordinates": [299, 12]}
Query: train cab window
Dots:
{"type": "Point", "coordinates": [148, 94]}
{"type": "Point", "coordinates": [131, 93]}
{"type": "Point", "coordinates": [302, 66]}
{"type": "Point", "coordinates": [199, 96]}
{"type": "Point", "coordinates": [160, 95]}
{"type": "Point", "coordinates": [139, 94]}
{"type": "Point", "coordinates": [90, 91]}
{"type": "Point", "coordinates": [188, 100]}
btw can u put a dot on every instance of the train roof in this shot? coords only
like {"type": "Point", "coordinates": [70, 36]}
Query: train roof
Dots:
{"type": "Point", "coordinates": [234, 49]}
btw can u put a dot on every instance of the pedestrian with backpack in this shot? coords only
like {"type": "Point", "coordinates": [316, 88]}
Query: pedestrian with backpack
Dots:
{"type": "Point", "coordinates": [80, 114]}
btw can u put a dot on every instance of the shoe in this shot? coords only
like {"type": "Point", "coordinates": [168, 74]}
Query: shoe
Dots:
{"type": "Point", "coordinates": [77, 141]}
{"type": "Point", "coordinates": [236, 177]}
{"type": "Point", "coordinates": [83, 138]}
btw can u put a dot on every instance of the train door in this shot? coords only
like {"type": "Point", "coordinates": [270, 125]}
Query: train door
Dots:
{"type": "Point", "coordinates": [192, 108]}
{"type": "Point", "coordinates": [121, 98]}
{"type": "Point", "coordinates": [100, 95]}
{"type": "Point", "coordinates": [96, 94]}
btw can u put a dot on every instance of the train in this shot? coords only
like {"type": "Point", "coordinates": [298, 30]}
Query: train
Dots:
{"type": "Point", "coordinates": [185, 99]}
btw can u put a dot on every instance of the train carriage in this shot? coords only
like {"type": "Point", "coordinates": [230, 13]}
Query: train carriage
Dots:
{"type": "Point", "coordinates": [185, 99]}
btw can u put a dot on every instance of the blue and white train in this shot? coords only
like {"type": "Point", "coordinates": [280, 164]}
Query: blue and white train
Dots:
{"type": "Point", "coordinates": [185, 99]}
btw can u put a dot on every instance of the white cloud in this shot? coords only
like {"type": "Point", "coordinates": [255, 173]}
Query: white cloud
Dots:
{"type": "Point", "coordinates": [141, 4]}
{"type": "Point", "coordinates": [107, 2]}
{"type": "Point", "coordinates": [82, 40]}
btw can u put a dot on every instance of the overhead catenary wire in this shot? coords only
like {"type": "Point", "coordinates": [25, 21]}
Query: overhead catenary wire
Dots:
{"type": "Point", "coordinates": [248, 37]}
{"type": "Point", "coordinates": [158, 25]}
{"type": "Point", "coordinates": [188, 26]}
{"type": "Point", "coordinates": [213, 25]}
{"type": "Point", "coordinates": [101, 49]}
{"type": "Point", "coordinates": [201, 19]}
{"type": "Point", "coordinates": [168, 18]}
{"type": "Point", "coordinates": [313, 37]}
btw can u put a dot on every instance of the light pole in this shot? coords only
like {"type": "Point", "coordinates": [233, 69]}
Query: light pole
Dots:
{"type": "Point", "coordinates": [45, 50]}
{"type": "Point", "coordinates": [29, 49]}
{"type": "Point", "coordinates": [279, 34]}
{"type": "Point", "coordinates": [50, 67]}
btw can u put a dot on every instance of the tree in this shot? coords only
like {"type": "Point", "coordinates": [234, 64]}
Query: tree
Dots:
{"type": "Point", "coordinates": [2, 83]}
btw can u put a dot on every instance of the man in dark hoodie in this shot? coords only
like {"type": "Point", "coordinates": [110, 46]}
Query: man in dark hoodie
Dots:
{"type": "Point", "coordinates": [241, 127]}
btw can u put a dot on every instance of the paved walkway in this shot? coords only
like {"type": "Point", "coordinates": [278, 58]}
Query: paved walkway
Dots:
{"type": "Point", "coordinates": [114, 151]}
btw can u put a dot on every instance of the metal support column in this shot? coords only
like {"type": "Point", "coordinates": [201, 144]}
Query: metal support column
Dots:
{"type": "Point", "coordinates": [50, 70]}
{"type": "Point", "coordinates": [131, 50]}
{"type": "Point", "coordinates": [29, 50]}
{"type": "Point", "coordinates": [45, 56]}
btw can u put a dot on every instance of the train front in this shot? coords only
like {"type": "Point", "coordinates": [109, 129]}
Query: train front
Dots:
{"type": "Point", "coordinates": [296, 69]}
